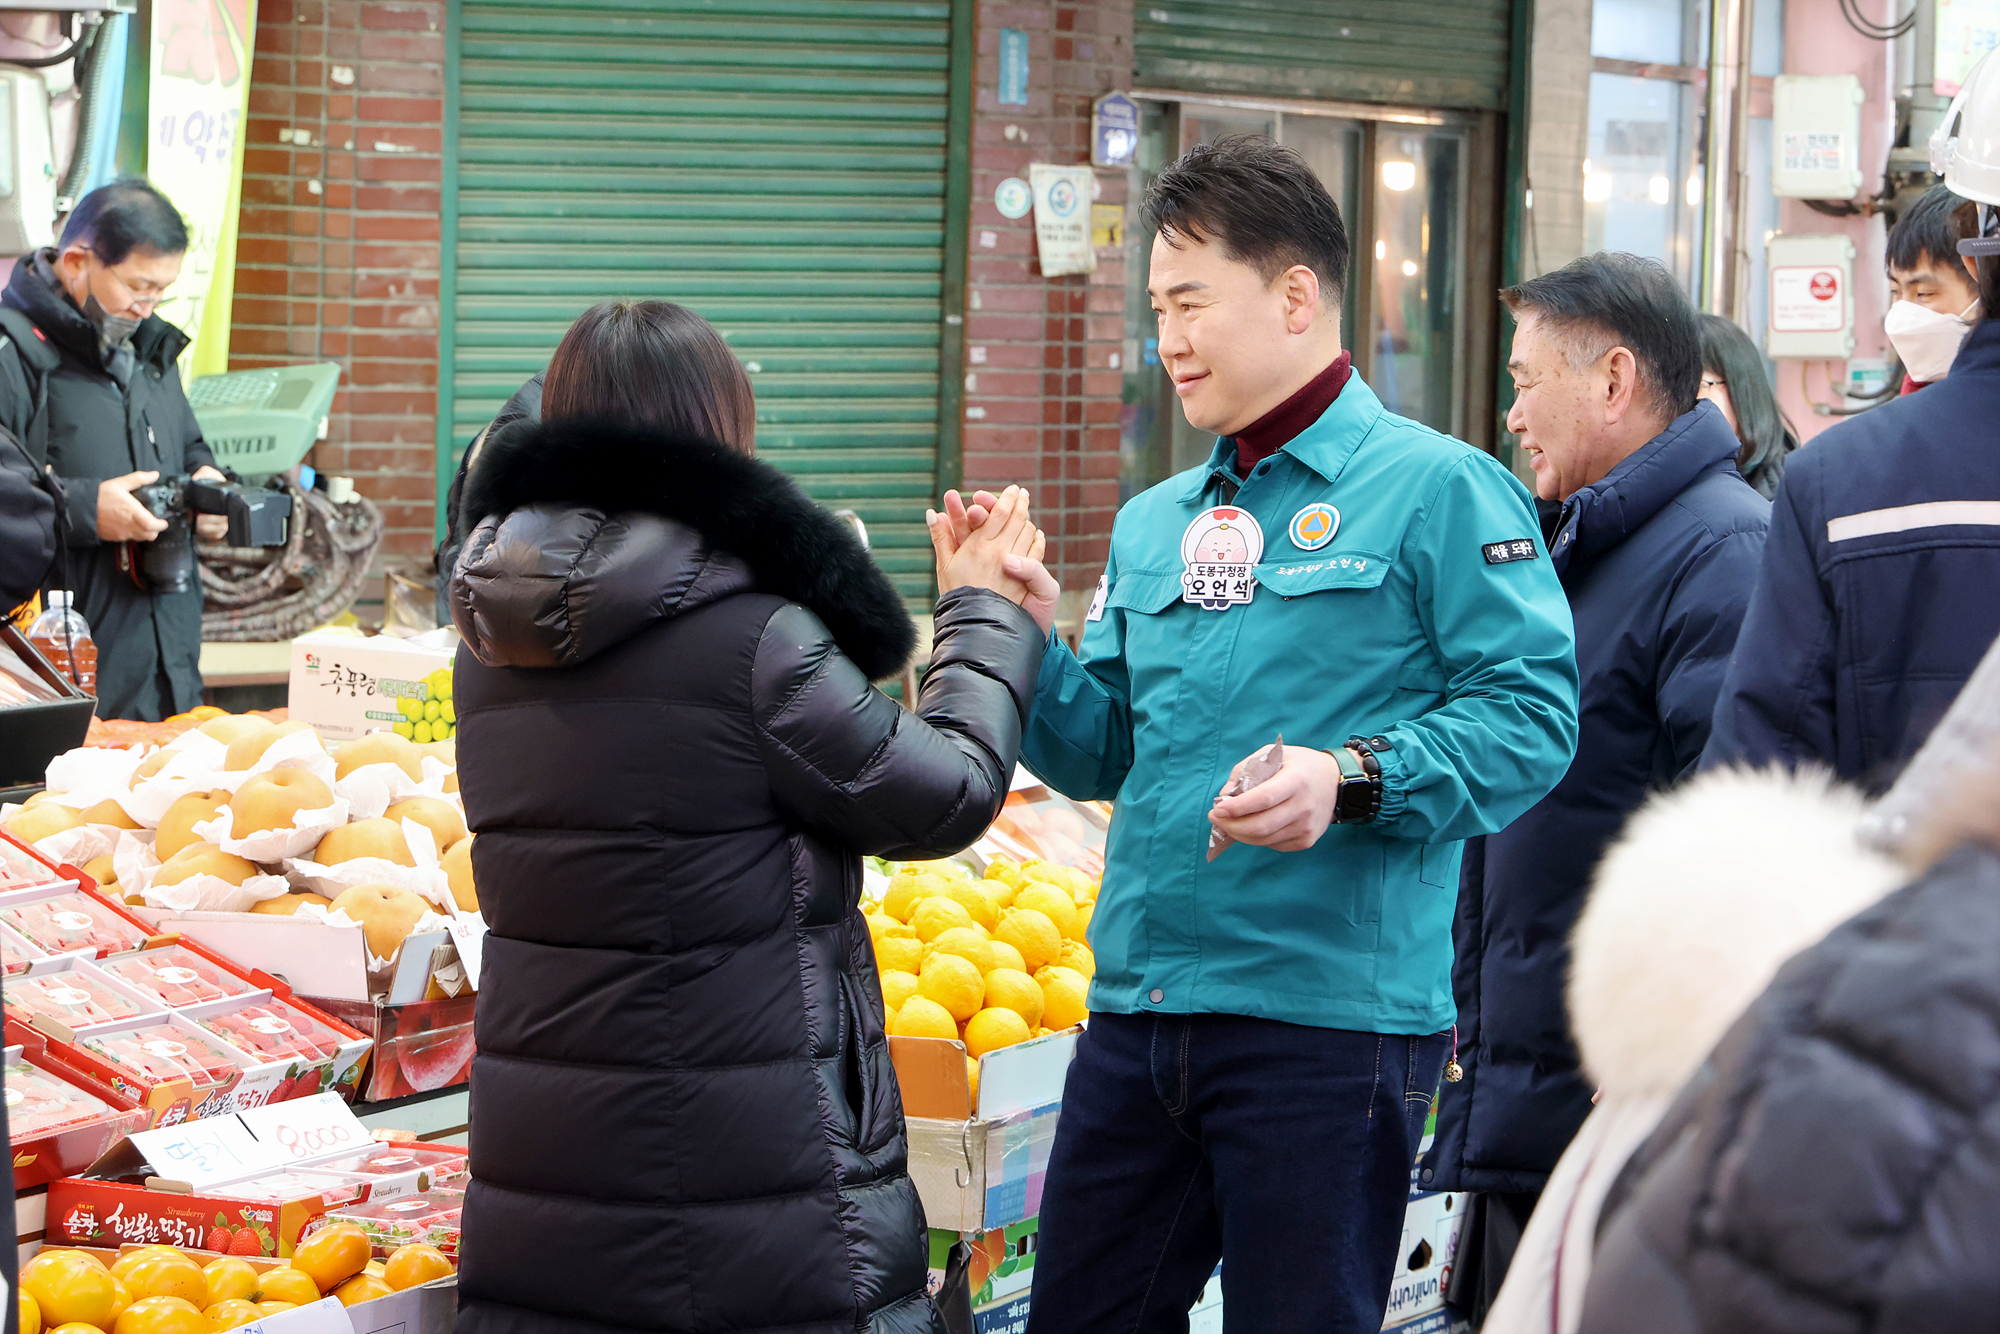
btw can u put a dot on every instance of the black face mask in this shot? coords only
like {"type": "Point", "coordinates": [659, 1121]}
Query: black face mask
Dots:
{"type": "Point", "coordinates": [116, 330]}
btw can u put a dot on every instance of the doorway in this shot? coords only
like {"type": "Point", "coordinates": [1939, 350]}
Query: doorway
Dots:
{"type": "Point", "coordinates": [1407, 183]}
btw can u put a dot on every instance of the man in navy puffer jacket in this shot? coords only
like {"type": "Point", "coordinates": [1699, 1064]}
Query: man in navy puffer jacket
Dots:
{"type": "Point", "coordinates": [1880, 585]}
{"type": "Point", "coordinates": [1656, 543]}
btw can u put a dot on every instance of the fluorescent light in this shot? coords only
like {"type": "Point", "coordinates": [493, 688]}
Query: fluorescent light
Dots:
{"type": "Point", "coordinates": [1658, 190]}
{"type": "Point", "coordinates": [1597, 186]}
{"type": "Point", "coordinates": [1694, 190]}
{"type": "Point", "coordinates": [1399, 175]}
{"type": "Point", "coordinates": [1381, 250]}
{"type": "Point", "coordinates": [1409, 268]}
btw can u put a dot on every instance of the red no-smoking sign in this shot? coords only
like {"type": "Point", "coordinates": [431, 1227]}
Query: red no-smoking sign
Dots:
{"type": "Point", "coordinates": [1825, 286]}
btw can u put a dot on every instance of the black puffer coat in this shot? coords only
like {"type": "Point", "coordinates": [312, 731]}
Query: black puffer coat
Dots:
{"type": "Point", "coordinates": [1835, 1168]}
{"type": "Point", "coordinates": [684, 1113]}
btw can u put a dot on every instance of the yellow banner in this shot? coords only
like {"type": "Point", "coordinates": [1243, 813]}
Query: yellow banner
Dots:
{"type": "Point", "coordinates": [199, 93]}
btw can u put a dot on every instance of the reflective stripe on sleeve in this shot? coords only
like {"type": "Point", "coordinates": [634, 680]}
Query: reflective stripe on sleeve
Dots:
{"type": "Point", "coordinates": [1903, 518]}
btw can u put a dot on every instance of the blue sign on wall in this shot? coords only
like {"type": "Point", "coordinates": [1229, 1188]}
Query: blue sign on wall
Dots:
{"type": "Point", "coordinates": [1114, 131]}
{"type": "Point", "coordinates": [1013, 67]}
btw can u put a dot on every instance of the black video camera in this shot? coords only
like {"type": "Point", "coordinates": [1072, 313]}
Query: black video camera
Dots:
{"type": "Point", "coordinates": [258, 517]}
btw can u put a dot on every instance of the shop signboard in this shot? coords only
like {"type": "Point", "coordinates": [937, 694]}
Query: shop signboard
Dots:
{"type": "Point", "coordinates": [197, 94]}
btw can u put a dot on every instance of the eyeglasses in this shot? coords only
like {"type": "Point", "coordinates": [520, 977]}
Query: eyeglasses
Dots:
{"type": "Point", "coordinates": [141, 295]}
{"type": "Point", "coordinates": [1714, 382]}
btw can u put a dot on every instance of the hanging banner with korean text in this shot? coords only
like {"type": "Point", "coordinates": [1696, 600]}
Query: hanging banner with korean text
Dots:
{"type": "Point", "coordinates": [1062, 219]}
{"type": "Point", "coordinates": [198, 95]}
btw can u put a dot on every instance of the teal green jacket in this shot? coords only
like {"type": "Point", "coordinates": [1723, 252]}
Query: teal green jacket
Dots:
{"type": "Point", "coordinates": [1402, 592]}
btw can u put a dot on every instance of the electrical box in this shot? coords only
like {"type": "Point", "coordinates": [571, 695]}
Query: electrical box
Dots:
{"type": "Point", "coordinates": [1812, 297]}
{"type": "Point", "coordinates": [27, 164]}
{"type": "Point", "coordinates": [1816, 136]}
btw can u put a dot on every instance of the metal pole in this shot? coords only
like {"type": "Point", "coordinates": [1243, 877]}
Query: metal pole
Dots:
{"type": "Point", "coordinates": [1726, 154]}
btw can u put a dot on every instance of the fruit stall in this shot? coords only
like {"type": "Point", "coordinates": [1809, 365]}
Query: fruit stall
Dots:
{"type": "Point", "coordinates": [242, 953]}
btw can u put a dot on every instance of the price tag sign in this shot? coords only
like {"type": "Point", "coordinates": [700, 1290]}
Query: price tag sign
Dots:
{"type": "Point", "coordinates": [203, 1153]}
{"type": "Point", "coordinates": [468, 932]}
{"type": "Point", "coordinates": [304, 1128]}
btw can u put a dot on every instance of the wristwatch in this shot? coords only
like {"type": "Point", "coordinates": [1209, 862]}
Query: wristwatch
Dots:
{"type": "Point", "coordinates": [1359, 797]}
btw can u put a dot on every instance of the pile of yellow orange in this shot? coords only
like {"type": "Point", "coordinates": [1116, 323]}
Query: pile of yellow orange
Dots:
{"type": "Point", "coordinates": [163, 1290]}
{"type": "Point", "coordinates": [990, 962]}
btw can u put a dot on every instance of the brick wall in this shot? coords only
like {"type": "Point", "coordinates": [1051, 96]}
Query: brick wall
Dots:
{"type": "Point", "coordinates": [337, 257]}
{"type": "Point", "coordinates": [1042, 380]}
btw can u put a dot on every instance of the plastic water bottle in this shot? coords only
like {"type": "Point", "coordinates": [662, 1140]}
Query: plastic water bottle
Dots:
{"type": "Point", "coordinates": [63, 637]}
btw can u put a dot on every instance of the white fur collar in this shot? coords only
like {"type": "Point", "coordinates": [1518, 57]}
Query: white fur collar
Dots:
{"type": "Point", "coordinates": [1711, 887]}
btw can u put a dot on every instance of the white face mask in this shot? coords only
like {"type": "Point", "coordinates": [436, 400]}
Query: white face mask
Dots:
{"type": "Point", "coordinates": [1927, 340]}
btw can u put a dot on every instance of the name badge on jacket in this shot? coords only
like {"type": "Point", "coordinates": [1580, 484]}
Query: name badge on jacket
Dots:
{"type": "Point", "coordinates": [1221, 548]}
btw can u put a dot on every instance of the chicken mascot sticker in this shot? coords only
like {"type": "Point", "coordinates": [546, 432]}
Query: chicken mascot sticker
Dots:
{"type": "Point", "coordinates": [1221, 548]}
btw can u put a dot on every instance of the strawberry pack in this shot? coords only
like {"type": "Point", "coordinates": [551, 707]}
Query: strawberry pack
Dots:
{"type": "Point", "coordinates": [431, 1218]}
{"type": "Point", "coordinates": [59, 1121]}
{"type": "Point", "coordinates": [73, 997]}
{"type": "Point", "coordinates": [63, 919]}
{"type": "Point", "coordinates": [178, 976]}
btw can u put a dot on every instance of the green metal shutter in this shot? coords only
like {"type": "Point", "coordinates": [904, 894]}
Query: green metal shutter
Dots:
{"type": "Point", "coordinates": [779, 166]}
{"type": "Point", "coordinates": [1413, 52]}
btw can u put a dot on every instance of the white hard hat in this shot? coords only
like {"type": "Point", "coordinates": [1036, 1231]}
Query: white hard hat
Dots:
{"type": "Point", "coordinates": [1965, 147]}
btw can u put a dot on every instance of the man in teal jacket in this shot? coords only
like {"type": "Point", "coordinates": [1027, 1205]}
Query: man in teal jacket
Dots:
{"type": "Point", "coordinates": [1268, 1026]}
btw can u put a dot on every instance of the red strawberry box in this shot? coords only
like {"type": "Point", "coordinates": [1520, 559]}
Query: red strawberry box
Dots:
{"type": "Point", "coordinates": [74, 993]}
{"type": "Point", "coordinates": [241, 1185]}
{"type": "Point", "coordinates": [183, 974]}
{"type": "Point", "coordinates": [66, 919]}
{"type": "Point", "coordinates": [87, 1212]}
{"type": "Point", "coordinates": [59, 1121]}
{"type": "Point", "coordinates": [318, 1052]}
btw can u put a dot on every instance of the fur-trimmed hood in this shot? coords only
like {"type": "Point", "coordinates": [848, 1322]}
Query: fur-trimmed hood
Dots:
{"type": "Point", "coordinates": [1710, 889]}
{"type": "Point", "coordinates": [584, 533]}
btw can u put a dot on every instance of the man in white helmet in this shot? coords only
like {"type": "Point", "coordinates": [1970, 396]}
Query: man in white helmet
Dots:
{"type": "Point", "coordinates": [1879, 587]}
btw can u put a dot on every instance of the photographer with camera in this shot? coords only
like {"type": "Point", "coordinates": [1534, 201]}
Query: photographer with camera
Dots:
{"type": "Point", "coordinates": [90, 385]}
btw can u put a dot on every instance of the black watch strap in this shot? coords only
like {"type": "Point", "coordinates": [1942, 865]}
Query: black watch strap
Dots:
{"type": "Point", "coordinates": [1360, 796]}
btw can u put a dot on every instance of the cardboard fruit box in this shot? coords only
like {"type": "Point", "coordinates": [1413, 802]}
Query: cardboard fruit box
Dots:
{"type": "Point", "coordinates": [979, 1167]}
{"type": "Point", "coordinates": [261, 1171]}
{"type": "Point", "coordinates": [420, 1047]}
{"type": "Point", "coordinates": [430, 1308]}
{"type": "Point", "coordinates": [346, 684]}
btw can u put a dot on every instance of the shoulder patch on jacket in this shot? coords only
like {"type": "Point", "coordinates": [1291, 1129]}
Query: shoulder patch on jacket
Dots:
{"type": "Point", "coordinates": [1499, 553]}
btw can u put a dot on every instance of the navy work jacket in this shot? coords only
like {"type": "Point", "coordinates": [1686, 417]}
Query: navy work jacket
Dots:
{"type": "Point", "coordinates": [1880, 585]}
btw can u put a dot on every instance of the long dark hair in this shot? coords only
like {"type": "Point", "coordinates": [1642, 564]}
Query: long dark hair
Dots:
{"type": "Point", "coordinates": [1761, 425]}
{"type": "Point", "coordinates": [656, 363]}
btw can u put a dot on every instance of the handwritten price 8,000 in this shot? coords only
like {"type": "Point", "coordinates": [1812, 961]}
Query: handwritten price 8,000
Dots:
{"type": "Point", "coordinates": [314, 1140]}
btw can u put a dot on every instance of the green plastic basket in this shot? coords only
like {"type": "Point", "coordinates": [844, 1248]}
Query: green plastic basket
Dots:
{"type": "Point", "coordinates": [262, 422]}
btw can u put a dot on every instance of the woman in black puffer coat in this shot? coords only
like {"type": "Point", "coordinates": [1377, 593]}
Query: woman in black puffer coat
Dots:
{"type": "Point", "coordinates": [684, 1116]}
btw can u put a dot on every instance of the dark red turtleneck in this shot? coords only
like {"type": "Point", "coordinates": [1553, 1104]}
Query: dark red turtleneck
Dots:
{"type": "Point", "coordinates": [1282, 424]}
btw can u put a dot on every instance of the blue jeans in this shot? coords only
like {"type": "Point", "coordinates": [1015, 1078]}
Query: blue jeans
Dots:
{"type": "Point", "coordinates": [1280, 1150]}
